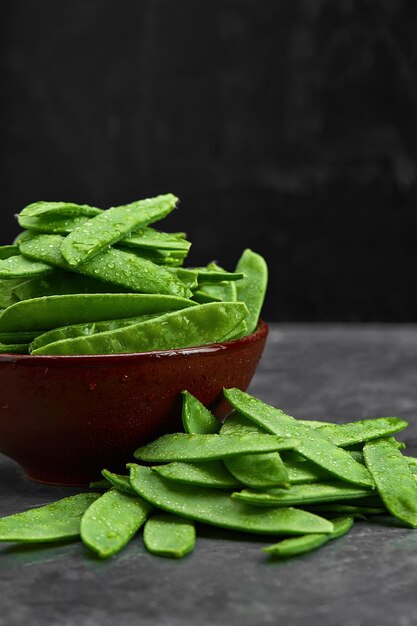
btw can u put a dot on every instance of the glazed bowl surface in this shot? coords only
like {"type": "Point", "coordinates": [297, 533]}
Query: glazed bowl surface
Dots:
{"type": "Point", "coordinates": [64, 418]}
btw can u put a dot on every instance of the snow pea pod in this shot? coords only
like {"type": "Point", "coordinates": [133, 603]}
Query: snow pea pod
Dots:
{"type": "Point", "coordinates": [14, 348]}
{"type": "Point", "coordinates": [301, 471]}
{"type": "Point", "coordinates": [215, 507]}
{"type": "Point", "coordinates": [168, 535]}
{"type": "Point", "coordinates": [18, 266]}
{"type": "Point", "coordinates": [313, 445]}
{"type": "Point", "coordinates": [58, 209]}
{"type": "Point", "coordinates": [236, 333]}
{"type": "Point", "coordinates": [202, 297]}
{"type": "Point", "coordinates": [346, 509]}
{"type": "Point", "coordinates": [111, 521]}
{"type": "Point", "coordinates": [394, 480]}
{"type": "Point", "coordinates": [61, 283]}
{"type": "Point", "coordinates": [53, 522]}
{"type": "Point", "coordinates": [225, 290]}
{"type": "Point", "coordinates": [149, 238]}
{"type": "Point", "coordinates": [50, 224]}
{"type": "Point", "coordinates": [211, 474]}
{"type": "Point", "coordinates": [252, 288]}
{"type": "Point", "coordinates": [196, 325]}
{"type": "Point", "coordinates": [302, 495]}
{"type": "Point", "coordinates": [196, 419]}
{"type": "Point", "coordinates": [300, 545]}
{"type": "Point", "coordinates": [113, 225]}
{"type": "Point", "coordinates": [120, 482]}
{"type": "Point", "coordinates": [362, 430]}
{"type": "Point", "coordinates": [7, 251]}
{"type": "Point", "coordinates": [84, 330]}
{"type": "Point", "coordinates": [114, 266]}
{"type": "Point", "coordinates": [257, 471]}
{"type": "Point", "coordinates": [185, 447]}
{"type": "Point", "coordinates": [19, 337]}
{"type": "Point", "coordinates": [55, 311]}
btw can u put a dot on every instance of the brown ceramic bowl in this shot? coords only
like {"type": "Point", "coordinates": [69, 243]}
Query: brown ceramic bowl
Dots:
{"type": "Point", "coordinates": [64, 418]}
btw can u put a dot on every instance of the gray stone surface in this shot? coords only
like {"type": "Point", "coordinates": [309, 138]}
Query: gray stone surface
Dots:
{"type": "Point", "coordinates": [366, 578]}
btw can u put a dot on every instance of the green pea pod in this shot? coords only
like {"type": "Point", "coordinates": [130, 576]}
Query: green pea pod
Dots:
{"type": "Point", "coordinates": [113, 225]}
{"type": "Point", "coordinates": [237, 333]}
{"type": "Point", "coordinates": [111, 521]}
{"type": "Point", "coordinates": [301, 471]}
{"type": "Point", "coordinates": [184, 447]}
{"type": "Point", "coordinates": [210, 276]}
{"type": "Point", "coordinates": [253, 470]}
{"type": "Point", "coordinates": [202, 297]}
{"type": "Point", "coordinates": [252, 288]}
{"type": "Point", "coordinates": [61, 283]}
{"type": "Point", "coordinates": [225, 290]}
{"type": "Point", "coordinates": [7, 251]}
{"type": "Point", "coordinates": [346, 509]}
{"type": "Point", "coordinates": [363, 430]}
{"type": "Point", "coordinates": [300, 545]}
{"type": "Point", "coordinates": [14, 348]}
{"type": "Point", "coordinates": [51, 224]}
{"type": "Point", "coordinates": [58, 209]}
{"type": "Point", "coordinates": [303, 495]}
{"type": "Point", "coordinates": [394, 480]}
{"type": "Point", "coordinates": [148, 239]}
{"type": "Point", "coordinates": [313, 446]}
{"type": "Point", "coordinates": [120, 482]}
{"type": "Point", "coordinates": [212, 474]}
{"type": "Point", "coordinates": [19, 337]}
{"type": "Point", "coordinates": [18, 266]}
{"type": "Point", "coordinates": [53, 522]}
{"type": "Point", "coordinates": [86, 330]}
{"type": "Point", "coordinates": [170, 258]}
{"type": "Point", "coordinates": [56, 311]}
{"type": "Point", "coordinates": [196, 419]}
{"type": "Point", "coordinates": [195, 326]}
{"type": "Point", "coordinates": [168, 535]}
{"type": "Point", "coordinates": [188, 277]}
{"type": "Point", "coordinates": [114, 266]}
{"type": "Point", "coordinates": [215, 507]}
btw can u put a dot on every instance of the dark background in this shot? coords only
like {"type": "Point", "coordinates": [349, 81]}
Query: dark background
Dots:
{"type": "Point", "coordinates": [287, 126]}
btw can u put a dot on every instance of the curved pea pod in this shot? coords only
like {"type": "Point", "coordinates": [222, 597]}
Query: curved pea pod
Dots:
{"type": "Point", "coordinates": [18, 266]}
{"type": "Point", "coordinates": [184, 447]}
{"type": "Point", "coordinates": [53, 522]}
{"type": "Point", "coordinates": [61, 283]}
{"type": "Point", "coordinates": [111, 522]}
{"type": "Point", "coordinates": [7, 251]}
{"type": "Point", "coordinates": [257, 471]}
{"type": "Point", "coordinates": [14, 348]}
{"type": "Point", "coordinates": [346, 509]}
{"type": "Point", "coordinates": [127, 270]}
{"type": "Point", "coordinates": [55, 311]}
{"type": "Point", "coordinates": [196, 419]}
{"type": "Point", "coordinates": [303, 495]}
{"type": "Point", "coordinates": [149, 239]}
{"type": "Point", "coordinates": [202, 297]}
{"type": "Point", "coordinates": [168, 535]}
{"type": "Point", "coordinates": [19, 337]}
{"type": "Point", "coordinates": [84, 330]}
{"type": "Point", "coordinates": [300, 545]}
{"type": "Point", "coordinates": [215, 507]}
{"type": "Point", "coordinates": [252, 288]}
{"type": "Point", "coordinates": [58, 209]}
{"type": "Point", "coordinates": [394, 479]}
{"type": "Point", "coordinates": [49, 225]}
{"type": "Point", "coordinates": [197, 325]}
{"type": "Point", "coordinates": [212, 474]}
{"type": "Point", "coordinates": [362, 430]}
{"type": "Point", "coordinates": [313, 445]}
{"type": "Point", "coordinates": [113, 225]}
{"type": "Point", "coordinates": [120, 482]}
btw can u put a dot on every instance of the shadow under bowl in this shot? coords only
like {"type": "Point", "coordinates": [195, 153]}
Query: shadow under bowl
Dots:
{"type": "Point", "coordinates": [64, 418]}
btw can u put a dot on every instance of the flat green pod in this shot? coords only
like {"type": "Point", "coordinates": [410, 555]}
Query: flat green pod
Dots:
{"type": "Point", "coordinates": [186, 276]}
{"type": "Point", "coordinates": [14, 348]}
{"type": "Point", "coordinates": [18, 266]}
{"type": "Point", "coordinates": [257, 471]}
{"type": "Point", "coordinates": [301, 471]}
{"type": "Point", "coordinates": [211, 474]}
{"type": "Point", "coordinates": [203, 297]}
{"type": "Point", "coordinates": [7, 251]}
{"type": "Point", "coordinates": [149, 238]}
{"type": "Point", "coordinates": [362, 430]}
{"type": "Point", "coordinates": [395, 482]}
{"type": "Point", "coordinates": [224, 290]}
{"type": "Point", "coordinates": [119, 481]}
{"type": "Point", "coordinates": [52, 522]}
{"type": "Point", "coordinates": [111, 521]}
{"type": "Point", "coordinates": [58, 209]}
{"type": "Point", "coordinates": [19, 337]}
{"type": "Point", "coordinates": [346, 509]}
{"type": "Point", "coordinates": [300, 545]}
{"type": "Point", "coordinates": [313, 446]}
{"type": "Point", "coordinates": [55, 311]}
{"type": "Point", "coordinates": [168, 535]}
{"type": "Point", "coordinates": [194, 326]}
{"type": "Point", "coordinates": [52, 225]}
{"type": "Point", "coordinates": [127, 270]}
{"type": "Point", "coordinates": [185, 447]}
{"type": "Point", "coordinates": [238, 332]}
{"type": "Point", "coordinates": [168, 258]}
{"type": "Point", "coordinates": [112, 225]}
{"type": "Point", "coordinates": [196, 418]}
{"type": "Point", "coordinates": [252, 288]}
{"type": "Point", "coordinates": [215, 507]}
{"type": "Point", "coordinates": [61, 283]}
{"type": "Point", "coordinates": [303, 495]}
{"type": "Point", "coordinates": [86, 330]}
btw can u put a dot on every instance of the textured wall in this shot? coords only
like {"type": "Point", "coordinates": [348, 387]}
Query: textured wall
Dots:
{"type": "Point", "coordinates": [287, 126]}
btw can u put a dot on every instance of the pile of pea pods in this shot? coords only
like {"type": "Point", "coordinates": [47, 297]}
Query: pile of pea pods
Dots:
{"type": "Point", "coordinates": [261, 471]}
{"type": "Point", "coordinates": [82, 280]}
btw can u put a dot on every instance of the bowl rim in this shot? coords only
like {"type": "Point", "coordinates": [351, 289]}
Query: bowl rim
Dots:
{"type": "Point", "coordinates": [25, 359]}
